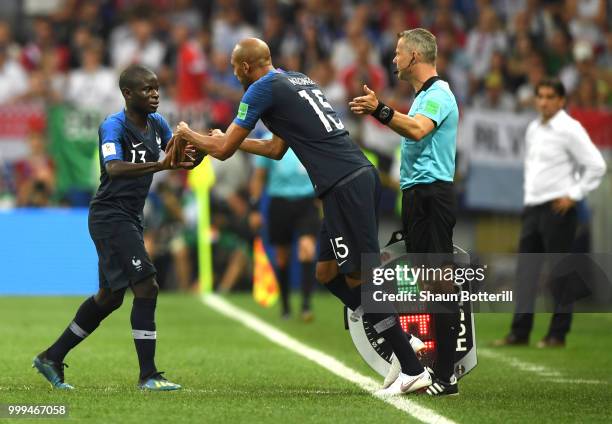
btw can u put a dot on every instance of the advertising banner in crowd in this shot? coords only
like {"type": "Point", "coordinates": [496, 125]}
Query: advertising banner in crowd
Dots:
{"type": "Point", "coordinates": [16, 121]}
{"type": "Point", "coordinates": [491, 149]}
{"type": "Point", "coordinates": [73, 136]}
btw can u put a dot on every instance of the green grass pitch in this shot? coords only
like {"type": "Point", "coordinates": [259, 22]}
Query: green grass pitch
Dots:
{"type": "Point", "coordinates": [230, 374]}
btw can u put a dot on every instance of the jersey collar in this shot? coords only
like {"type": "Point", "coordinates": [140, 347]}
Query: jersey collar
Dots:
{"type": "Point", "coordinates": [428, 84]}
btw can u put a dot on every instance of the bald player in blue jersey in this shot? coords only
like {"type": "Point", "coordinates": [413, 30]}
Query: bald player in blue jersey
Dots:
{"type": "Point", "coordinates": [295, 110]}
{"type": "Point", "coordinates": [131, 142]}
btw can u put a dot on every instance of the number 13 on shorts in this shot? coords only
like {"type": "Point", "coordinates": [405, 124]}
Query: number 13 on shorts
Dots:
{"type": "Point", "coordinates": [341, 250]}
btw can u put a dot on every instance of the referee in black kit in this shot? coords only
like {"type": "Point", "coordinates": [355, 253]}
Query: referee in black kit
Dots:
{"type": "Point", "coordinates": [429, 133]}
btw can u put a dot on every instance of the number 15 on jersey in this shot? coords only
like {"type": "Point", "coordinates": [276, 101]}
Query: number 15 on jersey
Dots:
{"type": "Point", "coordinates": [325, 117]}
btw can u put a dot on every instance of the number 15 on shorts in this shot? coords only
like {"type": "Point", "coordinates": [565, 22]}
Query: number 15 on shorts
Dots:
{"type": "Point", "coordinates": [341, 250]}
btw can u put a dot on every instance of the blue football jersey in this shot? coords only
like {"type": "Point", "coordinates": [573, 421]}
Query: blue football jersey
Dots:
{"type": "Point", "coordinates": [121, 199]}
{"type": "Point", "coordinates": [293, 107]}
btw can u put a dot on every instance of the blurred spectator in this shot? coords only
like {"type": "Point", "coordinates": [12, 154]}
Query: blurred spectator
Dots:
{"type": "Point", "coordinates": [345, 49]}
{"type": "Point", "coordinates": [35, 174]}
{"type": "Point", "coordinates": [588, 95]}
{"type": "Point", "coordinates": [43, 41]}
{"type": "Point", "coordinates": [93, 85]}
{"type": "Point", "coordinates": [585, 67]}
{"type": "Point", "coordinates": [54, 77]}
{"type": "Point", "coordinates": [229, 27]}
{"type": "Point", "coordinates": [526, 92]}
{"type": "Point", "coordinates": [482, 42]}
{"type": "Point", "coordinates": [136, 43]}
{"type": "Point", "coordinates": [558, 52]}
{"type": "Point", "coordinates": [91, 15]}
{"type": "Point", "coordinates": [13, 50]}
{"type": "Point", "coordinates": [13, 79]}
{"type": "Point", "coordinates": [518, 60]}
{"type": "Point", "coordinates": [586, 19]}
{"type": "Point", "coordinates": [445, 20]}
{"type": "Point", "coordinates": [184, 13]}
{"type": "Point", "coordinates": [80, 38]}
{"type": "Point", "coordinates": [605, 58]}
{"type": "Point", "coordinates": [311, 49]}
{"type": "Point", "coordinates": [495, 97]}
{"type": "Point", "coordinates": [187, 65]}
{"type": "Point", "coordinates": [224, 89]}
{"type": "Point", "coordinates": [362, 71]}
{"type": "Point", "coordinates": [388, 42]}
{"type": "Point", "coordinates": [274, 33]}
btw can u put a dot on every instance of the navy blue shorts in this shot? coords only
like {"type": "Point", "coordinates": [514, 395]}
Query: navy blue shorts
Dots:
{"type": "Point", "coordinates": [122, 258]}
{"type": "Point", "coordinates": [350, 222]}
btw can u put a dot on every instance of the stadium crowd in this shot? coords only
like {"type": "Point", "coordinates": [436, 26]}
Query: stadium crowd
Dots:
{"type": "Point", "coordinates": [68, 54]}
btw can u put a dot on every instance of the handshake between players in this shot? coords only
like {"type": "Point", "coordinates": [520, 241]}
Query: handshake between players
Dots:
{"type": "Point", "coordinates": [182, 150]}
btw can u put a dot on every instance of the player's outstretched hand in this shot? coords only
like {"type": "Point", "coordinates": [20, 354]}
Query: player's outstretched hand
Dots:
{"type": "Point", "coordinates": [364, 105]}
{"type": "Point", "coordinates": [170, 144]}
{"type": "Point", "coordinates": [174, 161]}
{"type": "Point", "coordinates": [216, 132]}
{"type": "Point", "coordinates": [182, 128]}
{"type": "Point", "coordinates": [190, 156]}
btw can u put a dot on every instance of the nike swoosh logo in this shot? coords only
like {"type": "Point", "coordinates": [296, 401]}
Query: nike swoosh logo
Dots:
{"type": "Point", "coordinates": [136, 145]}
{"type": "Point", "coordinates": [405, 387]}
{"type": "Point", "coordinates": [341, 263]}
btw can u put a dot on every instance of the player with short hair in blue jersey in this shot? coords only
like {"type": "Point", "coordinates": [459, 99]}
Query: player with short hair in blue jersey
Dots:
{"type": "Point", "coordinates": [295, 110]}
{"type": "Point", "coordinates": [429, 133]}
{"type": "Point", "coordinates": [130, 145]}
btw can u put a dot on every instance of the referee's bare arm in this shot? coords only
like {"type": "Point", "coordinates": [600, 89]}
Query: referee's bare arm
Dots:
{"type": "Point", "coordinates": [414, 128]}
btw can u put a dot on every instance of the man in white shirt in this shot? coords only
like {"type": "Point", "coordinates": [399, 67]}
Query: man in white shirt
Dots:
{"type": "Point", "coordinates": [13, 79]}
{"type": "Point", "coordinates": [561, 166]}
{"type": "Point", "coordinates": [93, 86]}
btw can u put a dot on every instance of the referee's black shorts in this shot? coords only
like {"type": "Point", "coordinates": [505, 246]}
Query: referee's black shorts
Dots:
{"type": "Point", "coordinates": [289, 218]}
{"type": "Point", "coordinates": [428, 217]}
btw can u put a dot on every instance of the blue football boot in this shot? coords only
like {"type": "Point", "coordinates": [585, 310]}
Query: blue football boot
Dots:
{"type": "Point", "coordinates": [52, 371]}
{"type": "Point", "coordinates": [157, 383]}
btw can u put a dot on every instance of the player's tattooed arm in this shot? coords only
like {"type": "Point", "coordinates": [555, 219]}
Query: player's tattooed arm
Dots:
{"type": "Point", "coordinates": [273, 149]}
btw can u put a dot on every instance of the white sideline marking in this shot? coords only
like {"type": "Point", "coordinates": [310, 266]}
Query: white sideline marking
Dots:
{"type": "Point", "coordinates": [550, 375]}
{"type": "Point", "coordinates": [326, 361]}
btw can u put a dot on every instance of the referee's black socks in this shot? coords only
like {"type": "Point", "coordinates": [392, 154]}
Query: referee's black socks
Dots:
{"type": "Point", "coordinates": [447, 329]}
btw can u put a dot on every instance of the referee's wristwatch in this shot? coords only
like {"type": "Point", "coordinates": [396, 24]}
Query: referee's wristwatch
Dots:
{"type": "Point", "coordinates": [383, 113]}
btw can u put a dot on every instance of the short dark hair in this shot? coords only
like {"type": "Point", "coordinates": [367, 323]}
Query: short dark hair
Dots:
{"type": "Point", "coordinates": [132, 75]}
{"type": "Point", "coordinates": [553, 83]}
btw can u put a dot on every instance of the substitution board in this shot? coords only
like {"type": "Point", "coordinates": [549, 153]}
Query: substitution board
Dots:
{"type": "Point", "coordinates": [376, 351]}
